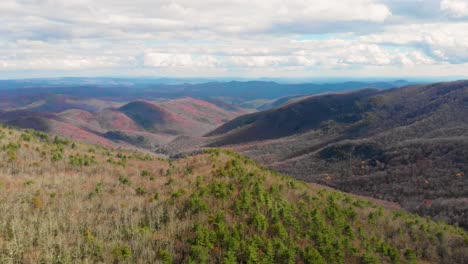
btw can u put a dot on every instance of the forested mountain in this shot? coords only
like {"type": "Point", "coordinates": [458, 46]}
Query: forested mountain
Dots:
{"type": "Point", "coordinates": [408, 145]}
{"type": "Point", "coordinates": [68, 202]}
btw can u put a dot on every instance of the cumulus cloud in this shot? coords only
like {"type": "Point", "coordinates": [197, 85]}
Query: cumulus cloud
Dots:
{"type": "Point", "coordinates": [242, 37]}
{"type": "Point", "coordinates": [441, 41]}
{"type": "Point", "coordinates": [168, 60]}
{"type": "Point", "coordinates": [457, 8]}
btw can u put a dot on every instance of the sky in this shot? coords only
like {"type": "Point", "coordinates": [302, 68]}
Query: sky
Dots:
{"type": "Point", "coordinates": [243, 38]}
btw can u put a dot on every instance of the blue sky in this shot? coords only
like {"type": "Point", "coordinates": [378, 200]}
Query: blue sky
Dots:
{"type": "Point", "coordinates": [242, 38]}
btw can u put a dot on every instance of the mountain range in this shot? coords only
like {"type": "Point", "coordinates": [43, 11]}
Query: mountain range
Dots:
{"type": "Point", "coordinates": [174, 173]}
{"type": "Point", "coordinates": [403, 144]}
{"type": "Point", "coordinates": [407, 145]}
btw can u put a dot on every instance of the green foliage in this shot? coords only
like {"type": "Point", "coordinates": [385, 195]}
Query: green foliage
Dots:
{"type": "Point", "coordinates": [28, 183]}
{"type": "Point", "coordinates": [201, 245]}
{"type": "Point", "coordinates": [410, 256]}
{"type": "Point", "coordinates": [178, 193]}
{"type": "Point", "coordinates": [124, 180]}
{"type": "Point", "coordinates": [260, 222]}
{"type": "Point", "coordinates": [141, 156]}
{"type": "Point", "coordinates": [26, 137]}
{"type": "Point", "coordinates": [145, 173]}
{"type": "Point", "coordinates": [220, 190]}
{"type": "Point", "coordinates": [11, 150]}
{"type": "Point", "coordinates": [312, 256]}
{"type": "Point", "coordinates": [165, 256]}
{"type": "Point", "coordinates": [81, 160]}
{"type": "Point", "coordinates": [56, 156]}
{"type": "Point", "coordinates": [11, 146]}
{"type": "Point", "coordinates": [61, 141]}
{"type": "Point", "coordinates": [29, 135]}
{"type": "Point", "coordinates": [140, 190]}
{"type": "Point", "coordinates": [156, 196]}
{"type": "Point", "coordinates": [97, 190]}
{"type": "Point", "coordinates": [122, 252]}
{"type": "Point", "coordinates": [196, 204]}
{"type": "Point", "coordinates": [369, 258]}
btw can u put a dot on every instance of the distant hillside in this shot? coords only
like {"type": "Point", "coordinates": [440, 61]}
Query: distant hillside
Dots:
{"type": "Point", "coordinates": [143, 124]}
{"type": "Point", "coordinates": [185, 116]}
{"type": "Point", "coordinates": [153, 117]}
{"type": "Point", "coordinates": [279, 102]}
{"type": "Point", "coordinates": [407, 145]}
{"type": "Point", "coordinates": [17, 93]}
{"type": "Point", "coordinates": [296, 117]}
{"type": "Point", "coordinates": [68, 202]}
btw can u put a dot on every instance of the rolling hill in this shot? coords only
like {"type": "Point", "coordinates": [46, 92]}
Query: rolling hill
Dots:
{"type": "Point", "coordinates": [407, 145]}
{"type": "Point", "coordinates": [69, 202]}
{"type": "Point", "coordinates": [78, 91]}
{"type": "Point", "coordinates": [294, 118]}
{"type": "Point", "coordinates": [142, 124]}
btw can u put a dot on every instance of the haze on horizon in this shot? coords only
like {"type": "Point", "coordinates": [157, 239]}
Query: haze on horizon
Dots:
{"type": "Point", "coordinates": [214, 38]}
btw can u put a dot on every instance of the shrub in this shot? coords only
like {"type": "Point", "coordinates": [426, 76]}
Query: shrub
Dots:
{"type": "Point", "coordinates": [124, 180]}
{"type": "Point", "coordinates": [312, 256]}
{"type": "Point", "coordinates": [12, 156]}
{"type": "Point", "coordinates": [196, 205]}
{"type": "Point", "coordinates": [56, 156]}
{"type": "Point", "coordinates": [156, 196]}
{"type": "Point", "coordinates": [369, 258]}
{"type": "Point", "coordinates": [140, 190]}
{"type": "Point", "coordinates": [26, 137]}
{"type": "Point", "coordinates": [165, 256]}
{"type": "Point", "coordinates": [145, 173]}
{"type": "Point", "coordinates": [219, 190]}
{"type": "Point", "coordinates": [122, 252]}
{"type": "Point", "coordinates": [260, 222]}
{"type": "Point", "coordinates": [199, 254]}
{"type": "Point", "coordinates": [410, 256]}
{"type": "Point", "coordinates": [97, 190]}
{"type": "Point", "coordinates": [61, 141]}
{"type": "Point", "coordinates": [81, 160]}
{"type": "Point", "coordinates": [178, 193]}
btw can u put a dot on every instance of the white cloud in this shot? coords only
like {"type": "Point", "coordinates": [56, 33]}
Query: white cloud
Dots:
{"type": "Point", "coordinates": [239, 37]}
{"type": "Point", "coordinates": [457, 8]}
{"type": "Point", "coordinates": [443, 41]}
{"type": "Point", "coordinates": [168, 60]}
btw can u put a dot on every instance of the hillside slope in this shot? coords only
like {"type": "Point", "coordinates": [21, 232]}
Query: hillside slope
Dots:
{"type": "Point", "coordinates": [295, 117]}
{"type": "Point", "coordinates": [407, 145]}
{"type": "Point", "coordinates": [75, 203]}
{"type": "Point", "coordinates": [142, 124]}
{"type": "Point", "coordinates": [184, 116]}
